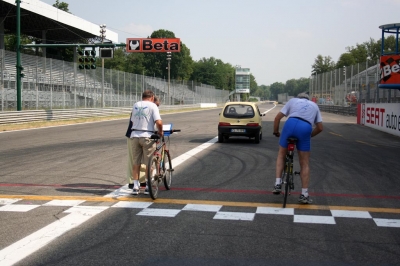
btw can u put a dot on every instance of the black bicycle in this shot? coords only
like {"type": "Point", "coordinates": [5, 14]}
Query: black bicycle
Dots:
{"type": "Point", "coordinates": [287, 175]}
{"type": "Point", "coordinates": [159, 167]}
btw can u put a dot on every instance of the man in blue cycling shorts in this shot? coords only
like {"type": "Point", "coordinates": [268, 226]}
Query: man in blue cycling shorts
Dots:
{"type": "Point", "coordinates": [302, 114]}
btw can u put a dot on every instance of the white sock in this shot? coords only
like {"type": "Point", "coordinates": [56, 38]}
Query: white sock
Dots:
{"type": "Point", "coordinates": [136, 183]}
{"type": "Point", "coordinates": [278, 181]}
{"type": "Point", "coordinates": [304, 191]}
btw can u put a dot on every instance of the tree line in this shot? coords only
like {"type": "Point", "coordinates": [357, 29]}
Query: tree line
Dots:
{"type": "Point", "coordinates": [211, 71]}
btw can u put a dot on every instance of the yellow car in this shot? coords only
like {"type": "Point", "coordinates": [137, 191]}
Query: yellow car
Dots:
{"type": "Point", "coordinates": [240, 119]}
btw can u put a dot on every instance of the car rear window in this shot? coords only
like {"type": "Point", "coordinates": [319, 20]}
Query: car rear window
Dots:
{"type": "Point", "coordinates": [239, 111]}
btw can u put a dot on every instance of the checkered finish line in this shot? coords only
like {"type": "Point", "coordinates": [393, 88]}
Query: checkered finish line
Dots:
{"type": "Point", "coordinates": [11, 205]}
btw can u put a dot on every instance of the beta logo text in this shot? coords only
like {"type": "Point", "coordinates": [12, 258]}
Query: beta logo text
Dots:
{"type": "Point", "coordinates": [154, 45]}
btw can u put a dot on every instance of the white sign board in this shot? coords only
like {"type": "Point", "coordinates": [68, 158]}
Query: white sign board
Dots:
{"type": "Point", "coordinates": [242, 90]}
{"type": "Point", "coordinates": [381, 116]}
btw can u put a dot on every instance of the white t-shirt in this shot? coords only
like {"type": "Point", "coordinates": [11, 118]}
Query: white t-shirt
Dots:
{"type": "Point", "coordinates": [302, 108]}
{"type": "Point", "coordinates": [144, 115]}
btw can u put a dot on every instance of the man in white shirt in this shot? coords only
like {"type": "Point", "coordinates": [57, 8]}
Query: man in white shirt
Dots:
{"type": "Point", "coordinates": [145, 114]}
{"type": "Point", "coordinates": [302, 114]}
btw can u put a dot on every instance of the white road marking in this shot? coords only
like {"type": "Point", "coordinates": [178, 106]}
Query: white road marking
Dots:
{"type": "Point", "coordinates": [351, 214]}
{"type": "Point", "coordinates": [314, 219]}
{"type": "Point", "coordinates": [63, 203]}
{"type": "Point", "coordinates": [8, 201]}
{"type": "Point", "coordinates": [18, 207]}
{"type": "Point", "coordinates": [387, 222]}
{"type": "Point", "coordinates": [159, 212]}
{"type": "Point", "coordinates": [130, 204]}
{"type": "Point", "coordinates": [270, 210]}
{"type": "Point", "coordinates": [236, 216]}
{"type": "Point", "coordinates": [30, 244]}
{"type": "Point", "coordinates": [202, 207]}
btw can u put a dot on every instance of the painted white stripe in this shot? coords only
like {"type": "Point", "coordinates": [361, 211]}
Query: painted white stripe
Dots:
{"type": "Point", "coordinates": [237, 216]}
{"type": "Point", "coordinates": [134, 205]}
{"type": "Point", "coordinates": [351, 214]}
{"type": "Point", "coordinates": [180, 159]}
{"type": "Point", "coordinates": [63, 203]}
{"type": "Point", "coordinates": [18, 208]}
{"type": "Point", "coordinates": [26, 246]}
{"type": "Point", "coordinates": [313, 219]}
{"type": "Point", "coordinates": [387, 222]}
{"type": "Point", "coordinates": [159, 212]}
{"type": "Point", "coordinates": [202, 207]}
{"type": "Point", "coordinates": [4, 201]}
{"type": "Point", "coordinates": [270, 210]}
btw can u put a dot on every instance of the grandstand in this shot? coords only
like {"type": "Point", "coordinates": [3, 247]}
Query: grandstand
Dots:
{"type": "Point", "coordinates": [52, 83]}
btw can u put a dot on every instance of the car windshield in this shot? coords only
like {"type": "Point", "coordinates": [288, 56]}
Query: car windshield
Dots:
{"type": "Point", "coordinates": [239, 111]}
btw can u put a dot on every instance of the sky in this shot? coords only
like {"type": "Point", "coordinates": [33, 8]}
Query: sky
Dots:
{"type": "Point", "coordinates": [278, 40]}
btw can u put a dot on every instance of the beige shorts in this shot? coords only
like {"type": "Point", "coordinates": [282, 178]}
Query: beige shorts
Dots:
{"type": "Point", "coordinates": [142, 149]}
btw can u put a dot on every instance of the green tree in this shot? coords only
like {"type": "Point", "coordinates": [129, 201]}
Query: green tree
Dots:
{"type": "Point", "coordinates": [276, 88]}
{"type": "Point", "coordinates": [214, 72]}
{"type": "Point", "coordinates": [156, 63]}
{"type": "Point", "coordinates": [346, 59]}
{"type": "Point", "coordinates": [322, 64]}
{"type": "Point", "coordinates": [62, 6]}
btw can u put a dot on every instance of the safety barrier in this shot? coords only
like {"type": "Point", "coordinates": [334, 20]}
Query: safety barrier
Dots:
{"type": "Point", "coordinates": [12, 117]}
{"type": "Point", "coordinates": [341, 110]}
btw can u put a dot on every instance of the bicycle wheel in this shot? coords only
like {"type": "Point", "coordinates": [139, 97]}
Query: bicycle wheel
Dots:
{"type": "Point", "coordinates": [167, 169]}
{"type": "Point", "coordinates": [152, 177]}
{"type": "Point", "coordinates": [286, 176]}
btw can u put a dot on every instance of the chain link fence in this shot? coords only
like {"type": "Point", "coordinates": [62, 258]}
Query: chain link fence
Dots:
{"type": "Point", "coordinates": [56, 84]}
{"type": "Point", "coordinates": [350, 85]}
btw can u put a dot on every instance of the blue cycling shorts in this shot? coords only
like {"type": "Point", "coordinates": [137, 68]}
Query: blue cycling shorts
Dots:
{"type": "Point", "coordinates": [297, 128]}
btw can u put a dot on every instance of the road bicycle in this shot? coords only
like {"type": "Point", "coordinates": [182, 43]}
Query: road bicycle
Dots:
{"type": "Point", "coordinates": [287, 175]}
{"type": "Point", "coordinates": [159, 168]}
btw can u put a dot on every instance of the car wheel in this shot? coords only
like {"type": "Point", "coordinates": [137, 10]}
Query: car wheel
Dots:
{"type": "Point", "coordinates": [257, 137]}
{"type": "Point", "coordinates": [220, 138]}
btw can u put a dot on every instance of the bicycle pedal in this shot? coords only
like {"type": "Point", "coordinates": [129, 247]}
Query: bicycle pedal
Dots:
{"type": "Point", "coordinates": [170, 170]}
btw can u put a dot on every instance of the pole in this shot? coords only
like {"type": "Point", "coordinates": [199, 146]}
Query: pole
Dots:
{"type": "Point", "coordinates": [169, 96]}
{"type": "Point", "coordinates": [18, 66]}
{"type": "Point", "coordinates": [169, 76]}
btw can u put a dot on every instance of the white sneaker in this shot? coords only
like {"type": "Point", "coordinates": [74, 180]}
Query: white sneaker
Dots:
{"type": "Point", "coordinates": [135, 191]}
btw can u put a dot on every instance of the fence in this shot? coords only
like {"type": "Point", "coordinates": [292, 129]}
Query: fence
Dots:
{"type": "Point", "coordinates": [350, 85]}
{"type": "Point", "coordinates": [53, 84]}
{"type": "Point", "coordinates": [13, 117]}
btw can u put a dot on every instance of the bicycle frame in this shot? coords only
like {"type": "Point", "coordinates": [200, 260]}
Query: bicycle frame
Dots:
{"type": "Point", "coordinates": [287, 175]}
{"type": "Point", "coordinates": [159, 167]}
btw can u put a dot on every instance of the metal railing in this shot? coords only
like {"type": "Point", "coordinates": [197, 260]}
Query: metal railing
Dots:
{"type": "Point", "coordinates": [56, 84]}
{"type": "Point", "coordinates": [14, 117]}
{"type": "Point", "coordinates": [341, 110]}
{"type": "Point", "coordinates": [351, 85]}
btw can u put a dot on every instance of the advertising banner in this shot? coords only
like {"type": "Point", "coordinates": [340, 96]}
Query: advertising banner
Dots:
{"type": "Point", "coordinates": [154, 45]}
{"type": "Point", "coordinates": [390, 71]}
{"type": "Point", "coordinates": [381, 116]}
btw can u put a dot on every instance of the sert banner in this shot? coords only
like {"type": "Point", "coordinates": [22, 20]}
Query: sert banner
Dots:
{"type": "Point", "coordinates": [154, 45]}
{"type": "Point", "coordinates": [390, 70]}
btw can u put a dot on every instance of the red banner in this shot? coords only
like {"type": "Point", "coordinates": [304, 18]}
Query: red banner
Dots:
{"type": "Point", "coordinates": [154, 45]}
{"type": "Point", "coordinates": [390, 70]}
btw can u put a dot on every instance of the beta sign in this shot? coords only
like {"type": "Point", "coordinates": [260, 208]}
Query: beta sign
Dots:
{"type": "Point", "coordinates": [154, 45]}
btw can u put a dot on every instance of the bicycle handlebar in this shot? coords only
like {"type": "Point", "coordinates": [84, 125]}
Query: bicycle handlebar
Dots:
{"type": "Point", "coordinates": [155, 135]}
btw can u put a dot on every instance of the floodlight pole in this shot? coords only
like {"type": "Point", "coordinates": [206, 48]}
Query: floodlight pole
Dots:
{"type": "Point", "coordinates": [18, 66]}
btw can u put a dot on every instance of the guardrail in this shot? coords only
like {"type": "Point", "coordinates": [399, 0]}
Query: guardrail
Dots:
{"type": "Point", "coordinates": [13, 117]}
{"type": "Point", "coordinates": [341, 110]}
